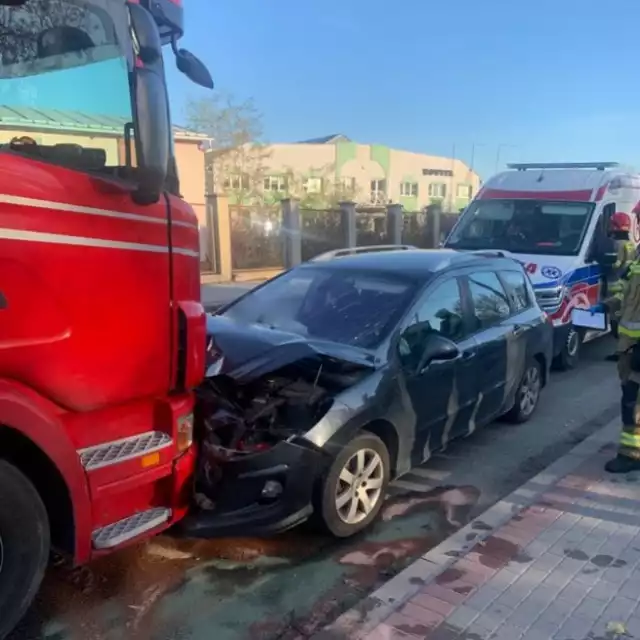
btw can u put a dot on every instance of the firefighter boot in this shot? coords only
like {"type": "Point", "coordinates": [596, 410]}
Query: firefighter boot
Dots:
{"type": "Point", "coordinates": [622, 464]}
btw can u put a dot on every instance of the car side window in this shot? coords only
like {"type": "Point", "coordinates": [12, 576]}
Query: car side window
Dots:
{"type": "Point", "coordinates": [517, 290]}
{"type": "Point", "coordinates": [440, 312]}
{"type": "Point", "coordinates": [490, 301]}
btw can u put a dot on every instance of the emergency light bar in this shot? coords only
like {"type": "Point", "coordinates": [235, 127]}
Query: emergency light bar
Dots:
{"type": "Point", "coordinates": [600, 166]}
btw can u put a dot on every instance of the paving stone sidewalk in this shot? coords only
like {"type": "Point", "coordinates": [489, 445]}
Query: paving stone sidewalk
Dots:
{"type": "Point", "coordinates": [557, 559]}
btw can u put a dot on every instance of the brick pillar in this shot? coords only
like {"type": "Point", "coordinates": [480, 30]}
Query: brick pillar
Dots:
{"type": "Point", "coordinates": [219, 224]}
{"type": "Point", "coordinates": [395, 223]}
{"type": "Point", "coordinates": [348, 221]}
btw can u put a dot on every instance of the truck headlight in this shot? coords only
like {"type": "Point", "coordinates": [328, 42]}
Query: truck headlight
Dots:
{"type": "Point", "coordinates": [184, 432]}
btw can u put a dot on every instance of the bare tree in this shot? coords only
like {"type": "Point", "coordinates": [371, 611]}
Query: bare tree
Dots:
{"type": "Point", "coordinates": [237, 154]}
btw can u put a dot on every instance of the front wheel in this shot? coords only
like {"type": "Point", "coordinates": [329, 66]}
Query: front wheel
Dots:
{"type": "Point", "coordinates": [569, 355]}
{"type": "Point", "coordinates": [527, 395]}
{"type": "Point", "coordinates": [24, 545]}
{"type": "Point", "coordinates": [355, 486]}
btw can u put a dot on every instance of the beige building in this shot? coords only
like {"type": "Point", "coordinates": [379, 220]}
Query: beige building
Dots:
{"type": "Point", "coordinates": [333, 168]}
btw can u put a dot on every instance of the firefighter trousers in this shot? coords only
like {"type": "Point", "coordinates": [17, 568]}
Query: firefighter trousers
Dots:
{"type": "Point", "coordinates": [629, 445]}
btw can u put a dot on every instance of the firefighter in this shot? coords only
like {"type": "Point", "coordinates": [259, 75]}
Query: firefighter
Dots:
{"type": "Point", "coordinates": [625, 248]}
{"type": "Point", "coordinates": [628, 458]}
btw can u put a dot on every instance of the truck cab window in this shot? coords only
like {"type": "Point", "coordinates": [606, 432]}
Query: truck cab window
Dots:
{"type": "Point", "coordinates": [66, 84]}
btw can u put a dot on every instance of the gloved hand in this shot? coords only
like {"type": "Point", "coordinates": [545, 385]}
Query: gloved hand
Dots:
{"type": "Point", "coordinates": [601, 307]}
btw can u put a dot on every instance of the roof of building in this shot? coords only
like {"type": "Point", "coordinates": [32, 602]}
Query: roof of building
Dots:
{"type": "Point", "coordinates": [413, 263]}
{"type": "Point", "coordinates": [75, 122]}
{"type": "Point", "coordinates": [330, 139]}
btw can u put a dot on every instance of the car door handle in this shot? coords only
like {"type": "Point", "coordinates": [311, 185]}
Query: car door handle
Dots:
{"type": "Point", "coordinates": [468, 355]}
{"type": "Point", "coordinates": [518, 330]}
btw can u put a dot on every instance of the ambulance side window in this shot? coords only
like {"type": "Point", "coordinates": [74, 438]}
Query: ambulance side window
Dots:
{"type": "Point", "coordinates": [602, 242]}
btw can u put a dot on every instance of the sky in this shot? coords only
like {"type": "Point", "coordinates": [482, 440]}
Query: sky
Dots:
{"type": "Point", "coordinates": [537, 80]}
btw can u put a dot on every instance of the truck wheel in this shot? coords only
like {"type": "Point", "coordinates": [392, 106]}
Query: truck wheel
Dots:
{"type": "Point", "coordinates": [24, 545]}
{"type": "Point", "coordinates": [569, 356]}
{"type": "Point", "coordinates": [355, 487]}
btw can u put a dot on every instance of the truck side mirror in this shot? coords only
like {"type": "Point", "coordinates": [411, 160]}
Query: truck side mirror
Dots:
{"type": "Point", "coordinates": [192, 67]}
{"type": "Point", "coordinates": [152, 115]}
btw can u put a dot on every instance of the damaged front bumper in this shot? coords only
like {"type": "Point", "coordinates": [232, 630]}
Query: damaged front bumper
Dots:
{"type": "Point", "coordinates": [261, 494]}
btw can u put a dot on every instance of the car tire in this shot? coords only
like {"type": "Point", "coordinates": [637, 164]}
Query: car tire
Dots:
{"type": "Point", "coordinates": [527, 394]}
{"type": "Point", "coordinates": [24, 545]}
{"type": "Point", "coordinates": [569, 356]}
{"type": "Point", "coordinates": [342, 510]}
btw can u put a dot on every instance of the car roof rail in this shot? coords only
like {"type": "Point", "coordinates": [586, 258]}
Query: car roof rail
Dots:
{"type": "Point", "coordinates": [350, 251]}
{"type": "Point", "coordinates": [491, 253]}
{"type": "Point", "coordinates": [600, 166]}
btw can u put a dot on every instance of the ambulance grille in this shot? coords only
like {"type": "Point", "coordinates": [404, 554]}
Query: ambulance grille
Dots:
{"type": "Point", "coordinates": [549, 300]}
{"type": "Point", "coordinates": [118, 451]}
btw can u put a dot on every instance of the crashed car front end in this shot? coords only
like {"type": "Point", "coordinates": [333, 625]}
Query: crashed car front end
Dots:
{"type": "Point", "coordinates": [264, 392]}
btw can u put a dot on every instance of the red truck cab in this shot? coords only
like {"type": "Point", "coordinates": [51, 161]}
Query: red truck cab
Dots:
{"type": "Point", "coordinates": [102, 334]}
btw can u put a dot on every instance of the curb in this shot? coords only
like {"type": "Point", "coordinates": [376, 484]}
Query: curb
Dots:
{"type": "Point", "coordinates": [391, 596]}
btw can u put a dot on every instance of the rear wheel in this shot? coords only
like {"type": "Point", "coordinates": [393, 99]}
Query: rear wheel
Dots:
{"type": "Point", "coordinates": [527, 395]}
{"type": "Point", "coordinates": [569, 356]}
{"type": "Point", "coordinates": [355, 487]}
{"type": "Point", "coordinates": [24, 545]}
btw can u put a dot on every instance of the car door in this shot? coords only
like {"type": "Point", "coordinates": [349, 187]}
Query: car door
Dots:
{"type": "Point", "coordinates": [525, 325]}
{"type": "Point", "coordinates": [492, 328]}
{"type": "Point", "coordinates": [443, 394]}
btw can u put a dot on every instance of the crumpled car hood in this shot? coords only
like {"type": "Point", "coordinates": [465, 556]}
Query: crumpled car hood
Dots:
{"type": "Point", "coordinates": [245, 352]}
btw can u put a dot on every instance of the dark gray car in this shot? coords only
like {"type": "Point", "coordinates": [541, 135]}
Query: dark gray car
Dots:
{"type": "Point", "coordinates": [337, 376]}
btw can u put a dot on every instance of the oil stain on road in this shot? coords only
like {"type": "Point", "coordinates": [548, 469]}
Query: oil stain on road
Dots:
{"type": "Point", "coordinates": [283, 587]}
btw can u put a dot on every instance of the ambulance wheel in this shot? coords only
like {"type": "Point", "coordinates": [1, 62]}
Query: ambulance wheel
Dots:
{"type": "Point", "coordinates": [24, 545]}
{"type": "Point", "coordinates": [569, 355]}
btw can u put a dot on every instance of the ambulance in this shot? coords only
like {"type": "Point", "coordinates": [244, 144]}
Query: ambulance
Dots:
{"type": "Point", "coordinates": [554, 219]}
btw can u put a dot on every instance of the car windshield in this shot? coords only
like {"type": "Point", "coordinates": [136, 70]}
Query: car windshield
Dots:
{"type": "Point", "coordinates": [522, 226]}
{"type": "Point", "coordinates": [351, 308]}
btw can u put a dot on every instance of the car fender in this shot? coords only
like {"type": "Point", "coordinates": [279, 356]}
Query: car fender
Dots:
{"type": "Point", "coordinates": [40, 421]}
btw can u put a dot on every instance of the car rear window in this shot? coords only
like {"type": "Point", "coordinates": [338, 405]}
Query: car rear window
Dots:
{"type": "Point", "coordinates": [516, 285]}
{"type": "Point", "coordinates": [348, 307]}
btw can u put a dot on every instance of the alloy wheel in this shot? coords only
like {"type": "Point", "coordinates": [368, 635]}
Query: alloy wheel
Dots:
{"type": "Point", "coordinates": [359, 487]}
{"type": "Point", "coordinates": [530, 390]}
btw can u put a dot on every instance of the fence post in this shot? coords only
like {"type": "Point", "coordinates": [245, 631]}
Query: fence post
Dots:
{"type": "Point", "coordinates": [219, 223]}
{"type": "Point", "coordinates": [434, 215]}
{"type": "Point", "coordinates": [395, 223]}
{"type": "Point", "coordinates": [291, 240]}
{"type": "Point", "coordinates": [348, 222]}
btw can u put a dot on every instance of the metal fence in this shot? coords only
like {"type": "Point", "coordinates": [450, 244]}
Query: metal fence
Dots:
{"type": "Point", "coordinates": [256, 237]}
{"type": "Point", "coordinates": [321, 231]}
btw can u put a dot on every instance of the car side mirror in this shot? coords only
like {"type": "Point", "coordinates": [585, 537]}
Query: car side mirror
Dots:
{"type": "Point", "coordinates": [437, 348]}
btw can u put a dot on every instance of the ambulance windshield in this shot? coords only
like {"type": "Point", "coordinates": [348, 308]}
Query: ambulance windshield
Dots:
{"type": "Point", "coordinates": [522, 226]}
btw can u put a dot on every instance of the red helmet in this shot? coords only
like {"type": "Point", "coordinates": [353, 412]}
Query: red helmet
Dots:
{"type": "Point", "coordinates": [620, 222]}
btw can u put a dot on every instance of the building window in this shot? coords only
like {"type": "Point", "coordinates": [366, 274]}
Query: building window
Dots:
{"type": "Point", "coordinates": [443, 173]}
{"type": "Point", "coordinates": [312, 185]}
{"type": "Point", "coordinates": [275, 183]}
{"type": "Point", "coordinates": [236, 182]}
{"type": "Point", "coordinates": [464, 191]}
{"type": "Point", "coordinates": [378, 191]}
{"type": "Point", "coordinates": [409, 189]}
{"type": "Point", "coordinates": [347, 184]}
{"type": "Point", "coordinates": [438, 190]}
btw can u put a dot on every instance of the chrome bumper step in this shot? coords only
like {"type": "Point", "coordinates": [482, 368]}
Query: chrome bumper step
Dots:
{"type": "Point", "coordinates": [113, 535]}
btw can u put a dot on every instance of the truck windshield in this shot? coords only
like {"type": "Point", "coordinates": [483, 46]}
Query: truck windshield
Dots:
{"type": "Point", "coordinates": [64, 82]}
{"type": "Point", "coordinates": [522, 226]}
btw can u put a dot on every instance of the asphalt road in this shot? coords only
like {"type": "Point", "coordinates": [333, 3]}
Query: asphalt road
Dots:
{"type": "Point", "coordinates": [288, 586]}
